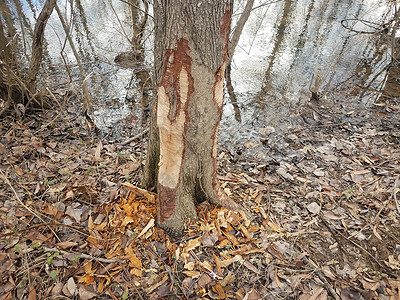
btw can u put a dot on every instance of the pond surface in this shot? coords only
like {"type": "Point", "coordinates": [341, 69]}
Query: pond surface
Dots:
{"type": "Point", "coordinates": [287, 49]}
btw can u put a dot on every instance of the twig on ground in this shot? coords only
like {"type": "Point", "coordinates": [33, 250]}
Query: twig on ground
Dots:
{"type": "Point", "coordinates": [17, 197]}
{"type": "Point", "coordinates": [365, 250]}
{"type": "Point", "coordinates": [395, 188]}
{"type": "Point", "coordinates": [83, 255]}
{"type": "Point", "coordinates": [321, 276]}
{"type": "Point", "coordinates": [19, 231]}
{"type": "Point", "coordinates": [134, 137]}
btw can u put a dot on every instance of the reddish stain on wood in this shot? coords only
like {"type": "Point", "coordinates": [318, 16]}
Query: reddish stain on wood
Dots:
{"type": "Point", "coordinates": [175, 60]}
{"type": "Point", "coordinates": [167, 203]}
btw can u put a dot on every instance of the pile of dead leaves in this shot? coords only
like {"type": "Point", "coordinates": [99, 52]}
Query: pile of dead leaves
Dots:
{"type": "Point", "coordinates": [325, 223]}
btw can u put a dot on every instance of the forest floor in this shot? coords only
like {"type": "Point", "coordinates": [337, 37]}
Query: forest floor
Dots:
{"type": "Point", "coordinates": [76, 225]}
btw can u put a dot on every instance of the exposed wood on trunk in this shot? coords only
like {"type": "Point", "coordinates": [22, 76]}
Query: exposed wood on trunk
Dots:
{"type": "Point", "coordinates": [191, 53]}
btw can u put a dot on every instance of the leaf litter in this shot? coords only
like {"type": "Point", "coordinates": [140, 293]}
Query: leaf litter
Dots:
{"type": "Point", "coordinates": [75, 223]}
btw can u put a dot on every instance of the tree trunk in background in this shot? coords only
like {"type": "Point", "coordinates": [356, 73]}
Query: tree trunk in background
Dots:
{"type": "Point", "coordinates": [37, 44]}
{"type": "Point", "coordinates": [191, 52]}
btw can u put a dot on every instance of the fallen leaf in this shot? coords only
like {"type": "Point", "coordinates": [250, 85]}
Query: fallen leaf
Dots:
{"type": "Point", "coordinates": [71, 286]}
{"type": "Point", "coordinates": [192, 244]}
{"type": "Point", "coordinates": [97, 154]}
{"type": "Point", "coordinates": [229, 279]}
{"type": "Point", "coordinates": [149, 225]}
{"type": "Point", "coordinates": [220, 291]}
{"type": "Point", "coordinates": [227, 262]}
{"type": "Point", "coordinates": [85, 294]}
{"type": "Point", "coordinates": [314, 208]}
{"type": "Point", "coordinates": [66, 245]}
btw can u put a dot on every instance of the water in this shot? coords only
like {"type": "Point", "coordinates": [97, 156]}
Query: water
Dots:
{"type": "Point", "coordinates": [283, 45]}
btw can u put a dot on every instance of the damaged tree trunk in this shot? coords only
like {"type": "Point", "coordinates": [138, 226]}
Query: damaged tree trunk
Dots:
{"type": "Point", "coordinates": [191, 52]}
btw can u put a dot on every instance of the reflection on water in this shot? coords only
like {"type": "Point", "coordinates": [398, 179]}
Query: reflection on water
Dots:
{"type": "Point", "coordinates": [284, 46]}
{"type": "Point", "coordinates": [287, 49]}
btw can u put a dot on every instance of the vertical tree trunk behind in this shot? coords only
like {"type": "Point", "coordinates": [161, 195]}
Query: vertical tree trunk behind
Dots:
{"type": "Point", "coordinates": [37, 44]}
{"type": "Point", "coordinates": [191, 47]}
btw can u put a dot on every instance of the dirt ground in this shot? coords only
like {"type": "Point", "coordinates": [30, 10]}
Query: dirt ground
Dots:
{"type": "Point", "coordinates": [323, 221]}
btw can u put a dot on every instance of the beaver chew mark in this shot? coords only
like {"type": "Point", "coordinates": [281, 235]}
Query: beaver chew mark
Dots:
{"type": "Point", "coordinates": [174, 93]}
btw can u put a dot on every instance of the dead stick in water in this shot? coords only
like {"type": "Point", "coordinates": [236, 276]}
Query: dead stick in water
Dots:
{"type": "Point", "coordinates": [134, 137]}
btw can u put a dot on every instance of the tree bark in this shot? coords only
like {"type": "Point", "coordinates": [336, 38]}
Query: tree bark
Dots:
{"type": "Point", "coordinates": [191, 53]}
{"type": "Point", "coordinates": [37, 44]}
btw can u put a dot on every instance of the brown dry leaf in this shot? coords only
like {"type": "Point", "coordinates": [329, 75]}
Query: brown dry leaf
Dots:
{"type": "Point", "coordinates": [376, 233]}
{"type": "Point", "coordinates": [210, 239]}
{"type": "Point", "coordinates": [218, 267]}
{"type": "Point", "coordinates": [141, 192]}
{"type": "Point", "coordinates": [245, 232]}
{"type": "Point", "coordinates": [127, 220]}
{"type": "Point", "coordinates": [393, 262]}
{"type": "Point", "coordinates": [66, 245]}
{"type": "Point", "coordinates": [204, 280]}
{"type": "Point", "coordinates": [224, 243]}
{"type": "Point", "coordinates": [227, 262]}
{"type": "Point", "coordinates": [222, 222]}
{"type": "Point", "coordinates": [71, 286]}
{"type": "Point", "coordinates": [275, 227]}
{"type": "Point", "coordinates": [74, 213]}
{"type": "Point", "coordinates": [220, 291]}
{"type": "Point", "coordinates": [18, 170]}
{"type": "Point", "coordinates": [206, 265]}
{"type": "Point", "coordinates": [192, 244]}
{"type": "Point", "coordinates": [252, 295]}
{"type": "Point", "coordinates": [192, 274]}
{"type": "Point", "coordinates": [100, 227]}
{"type": "Point", "coordinates": [58, 188]}
{"type": "Point", "coordinates": [361, 176]}
{"type": "Point", "coordinates": [32, 293]}
{"type": "Point", "coordinates": [251, 267]}
{"type": "Point", "coordinates": [85, 294]}
{"type": "Point", "coordinates": [230, 278]}
{"type": "Point", "coordinates": [133, 260]}
{"type": "Point", "coordinates": [189, 266]}
{"type": "Point", "coordinates": [100, 287]}
{"type": "Point", "coordinates": [187, 286]}
{"type": "Point", "coordinates": [88, 277]}
{"type": "Point", "coordinates": [349, 294]}
{"type": "Point", "coordinates": [57, 289]}
{"type": "Point", "coordinates": [232, 239]}
{"type": "Point", "coordinates": [129, 167]}
{"type": "Point", "coordinates": [136, 272]}
{"type": "Point", "coordinates": [97, 153]}
{"type": "Point", "coordinates": [49, 209]}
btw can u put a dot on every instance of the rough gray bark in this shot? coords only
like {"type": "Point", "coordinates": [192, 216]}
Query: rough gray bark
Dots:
{"type": "Point", "coordinates": [191, 52]}
{"type": "Point", "coordinates": [37, 44]}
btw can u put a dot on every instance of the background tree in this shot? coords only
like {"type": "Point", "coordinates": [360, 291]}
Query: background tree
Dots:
{"type": "Point", "coordinates": [14, 88]}
{"type": "Point", "coordinates": [191, 53]}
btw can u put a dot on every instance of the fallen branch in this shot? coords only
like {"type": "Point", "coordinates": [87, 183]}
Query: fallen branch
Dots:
{"type": "Point", "coordinates": [19, 231]}
{"type": "Point", "coordinates": [321, 276]}
{"type": "Point", "coordinates": [395, 188]}
{"type": "Point", "coordinates": [83, 255]}
{"type": "Point", "coordinates": [135, 137]}
{"type": "Point", "coordinates": [17, 197]}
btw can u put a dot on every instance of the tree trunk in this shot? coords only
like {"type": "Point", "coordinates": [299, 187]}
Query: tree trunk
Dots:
{"type": "Point", "coordinates": [191, 52]}
{"type": "Point", "coordinates": [37, 44]}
